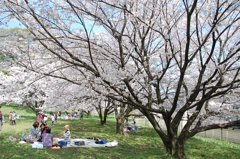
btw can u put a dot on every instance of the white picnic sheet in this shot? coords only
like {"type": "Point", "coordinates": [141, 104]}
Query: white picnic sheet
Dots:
{"type": "Point", "coordinates": [88, 143]}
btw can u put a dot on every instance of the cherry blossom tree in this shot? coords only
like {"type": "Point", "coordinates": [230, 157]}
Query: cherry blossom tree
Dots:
{"type": "Point", "coordinates": [102, 105]}
{"type": "Point", "coordinates": [17, 87]}
{"type": "Point", "coordinates": [161, 57]}
{"type": "Point", "coordinates": [71, 95]}
{"type": "Point", "coordinates": [38, 92]}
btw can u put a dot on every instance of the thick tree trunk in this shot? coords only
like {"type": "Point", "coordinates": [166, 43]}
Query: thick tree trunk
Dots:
{"type": "Point", "coordinates": [120, 118]}
{"type": "Point", "coordinates": [175, 148]}
{"type": "Point", "coordinates": [120, 125]}
{"type": "Point", "coordinates": [120, 113]}
{"type": "Point", "coordinates": [173, 144]}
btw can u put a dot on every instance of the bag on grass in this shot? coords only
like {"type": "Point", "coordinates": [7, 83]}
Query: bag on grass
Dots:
{"type": "Point", "coordinates": [101, 141]}
{"type": "Point", "coordinates": [29, 138]}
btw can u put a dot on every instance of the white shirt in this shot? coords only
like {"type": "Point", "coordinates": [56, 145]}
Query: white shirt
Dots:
{"type": "Point", "coordinates": [52, 118]}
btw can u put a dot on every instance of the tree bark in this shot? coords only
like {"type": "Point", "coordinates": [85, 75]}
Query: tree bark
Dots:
{"type": "Point", "coordinates": [120, 124]}
{"type": "Point", "coordinates": [120, 118]}
{"type": "Point", "coordinates": [175, 147]}
{"type": "Point", "coordinates": [101, 118]}
{"type": "Point", "coordinates": [174, 144]}
{"type": "Point", "coordinates": [105, 117]}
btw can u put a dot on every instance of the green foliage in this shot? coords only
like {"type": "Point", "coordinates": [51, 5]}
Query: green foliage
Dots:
{"type": "Point", "coordinates": [7, 59]}
{"type": "Point", "coordinates": [1, 57]}
{"type": "Point", "coordinates": [143, 144]}
{"type": "Point", "coordinates": [6, 72]}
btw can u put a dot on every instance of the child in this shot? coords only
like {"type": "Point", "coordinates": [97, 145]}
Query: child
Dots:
{"type": "Point", "coordinates": [67, 133]}
{"type": "Point", "coordinates": [14, 118]}
{"type": "Point", "coordinates": [47, 138]}
{"type": "Point", "coordinates": [67, 136]}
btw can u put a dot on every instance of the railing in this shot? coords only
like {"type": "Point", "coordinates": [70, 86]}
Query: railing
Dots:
{"type": "Point", "coordinates": [223, 134]}
{"type": "Point", "coordinates": [219, 134]}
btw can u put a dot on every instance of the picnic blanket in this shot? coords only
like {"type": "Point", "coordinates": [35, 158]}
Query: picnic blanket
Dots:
{"type": "Point", "coordinates": [87, 143]}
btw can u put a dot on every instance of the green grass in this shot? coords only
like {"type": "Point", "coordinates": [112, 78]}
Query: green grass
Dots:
{"type": "Point", "coordinates": [143, 144]}
{"type": "Point", "coordinates": [20, 110]}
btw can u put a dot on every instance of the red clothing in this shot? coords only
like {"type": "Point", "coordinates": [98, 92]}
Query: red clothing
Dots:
{"type": "Point", "coordinates": [40, 118]}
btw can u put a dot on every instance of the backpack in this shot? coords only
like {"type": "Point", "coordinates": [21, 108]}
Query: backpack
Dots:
{"type": "Point", "coordinates": [100, 141]}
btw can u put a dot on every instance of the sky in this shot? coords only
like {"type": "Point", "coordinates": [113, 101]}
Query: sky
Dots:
{"type": "Point", "coordinates": [13, 24]}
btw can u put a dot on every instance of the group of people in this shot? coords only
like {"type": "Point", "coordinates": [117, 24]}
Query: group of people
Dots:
{"type": "Point", "coordinates": [12, 118]}
{"type": "Point", "coordinates": [42, 133]}
{"type": "Point", "coordinates": [71, 115]}
{"type": "Point", "coordinates": [130, 127]}
{"type": "Point", "coordinates": [43, 118]}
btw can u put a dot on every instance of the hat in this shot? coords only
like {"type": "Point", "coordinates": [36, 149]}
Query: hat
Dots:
{"type": "Point", "coordinates": [67, 127]}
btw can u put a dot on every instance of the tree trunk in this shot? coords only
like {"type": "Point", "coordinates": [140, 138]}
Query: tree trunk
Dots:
{"type": "Point", "coordinates": [120, 125]}
{"type": "Point", "coordinates": [175, 148]}
{"type": "Point", "coordinates": [88, 113]}
{"type": "Point", "coordinates": [173, 144]}
{"type": "Point", "coordinates": [101, 118]}
{"type": "Point", "coordinates": [120, 118]}
{"type": "Point", "coordinates": [179, 151]}
{"type": "Point", "coordinates": [105, 117]}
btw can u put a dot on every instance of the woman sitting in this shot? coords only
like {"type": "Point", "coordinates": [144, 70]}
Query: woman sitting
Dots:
{"type": "Point", "coordinates": [47, 138]}
{"type": "Point", "coordinates": [34, 133]}
{"type": "Point", "coordinates": [42, 131]}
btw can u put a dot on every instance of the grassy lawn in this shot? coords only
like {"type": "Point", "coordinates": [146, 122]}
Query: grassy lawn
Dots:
{"type": "Point", "coordinates": [143, 144]}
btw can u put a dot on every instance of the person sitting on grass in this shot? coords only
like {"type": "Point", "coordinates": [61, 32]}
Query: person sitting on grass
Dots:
{"type": "Point", "coordinates": [43, 128]}
{"type": "Point", "coordinates": [47, 138]}
{"type": "Point", "coordinates": [33, 135]}
{"type": "Point", "coordinates": [66, 135]}
{"type": "Point", "coordinates": [34, 131]}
